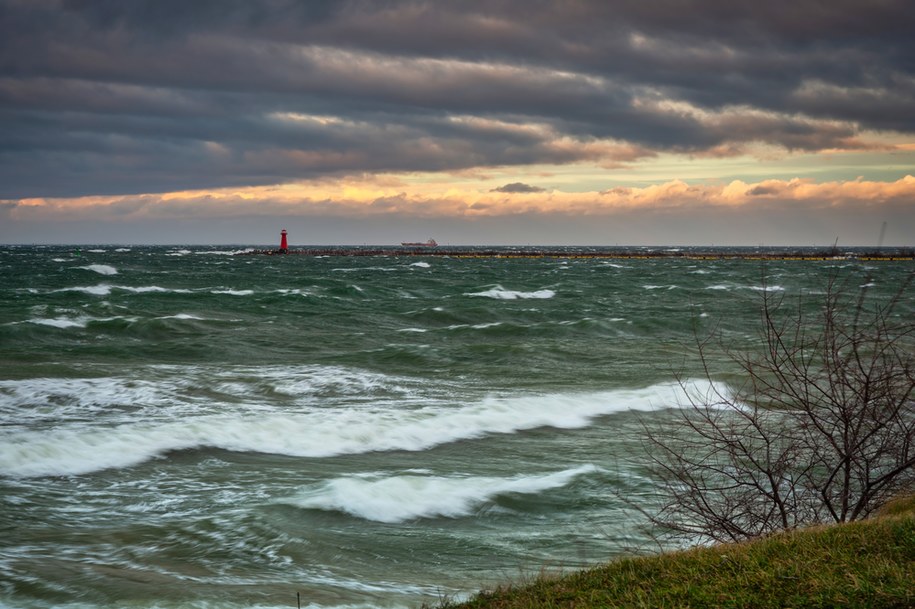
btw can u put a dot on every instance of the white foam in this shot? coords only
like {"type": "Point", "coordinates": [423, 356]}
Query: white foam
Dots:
{"type": "Point", "coordinates": [294, 292]}
{"type": "Point", "coordinates": [152, 289]}
{"type": "Point", "coordinates": [767, 288]}
{"type": "Point", "coordinates": [482, 326]}
{"type": "Point", "coordinates": [62, 322]}
{"type": "Point", "coordinates": [182, 316]}
{"type": "Point", "coordinates": [234, 292]}
{"type": "Point", "coordinates": [79, 321]}
{"type": "Point", "coordinates": [321, 432]}
{"type": "Point", "coordinates": [486, 325]}
{"type": "Point", "coordinates": [408, 497]}
{"type": "Point", "coordinates": [303, 381]}
{"type": "Point", "coordinates": [500, 293]}
{"type": "Point", "coordinates": [101, 269]}
{"type": "Point", "coordinates": [172, 391]}
{"type": "Point", "coordinates": [422, 265]}
{"type": "Point", "coordinates": [62, 399]}
{"type": "Point", "coordinates": [102, 289]}
{"type": "Point", "coordinates": [384, 269]}
{"type": "Point", "coordinates": [224, 252]}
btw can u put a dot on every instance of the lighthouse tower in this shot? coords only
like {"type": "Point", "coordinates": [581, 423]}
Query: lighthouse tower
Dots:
{"type": "Point", "coordinates": [284, 247]}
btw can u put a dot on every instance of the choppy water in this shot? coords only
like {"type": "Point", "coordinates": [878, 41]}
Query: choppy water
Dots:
{"type": "Point", "coordinates": [181, 427]}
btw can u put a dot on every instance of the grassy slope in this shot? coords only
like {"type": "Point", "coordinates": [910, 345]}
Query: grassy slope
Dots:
{"type": "Point", "coordinates": [864, 564]}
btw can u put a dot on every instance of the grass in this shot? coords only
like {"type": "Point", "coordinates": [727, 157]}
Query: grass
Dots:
{"type": "Point", "coordinates": [868, 564]}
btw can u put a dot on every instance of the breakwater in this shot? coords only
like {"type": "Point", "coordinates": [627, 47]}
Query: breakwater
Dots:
{"type": "Point", "coordinates": [888, 254]}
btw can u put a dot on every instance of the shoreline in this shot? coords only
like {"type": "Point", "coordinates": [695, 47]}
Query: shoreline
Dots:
{"type": "Point", "coordinates": [810, 567]}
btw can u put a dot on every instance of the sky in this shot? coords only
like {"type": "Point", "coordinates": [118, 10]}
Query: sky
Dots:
{"type": "Point", "coordinates": [631, 122]}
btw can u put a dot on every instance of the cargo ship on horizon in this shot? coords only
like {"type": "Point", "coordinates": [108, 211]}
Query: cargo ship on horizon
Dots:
{"type": "Point", "coordinates": [430, 243]}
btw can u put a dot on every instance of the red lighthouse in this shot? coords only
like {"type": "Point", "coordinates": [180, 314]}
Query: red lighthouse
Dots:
{"type": "Point", "coordinates": [284, 247]}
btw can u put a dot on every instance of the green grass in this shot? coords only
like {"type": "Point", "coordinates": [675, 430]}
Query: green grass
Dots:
{"type": "Point", "coordinates": [863, 564]}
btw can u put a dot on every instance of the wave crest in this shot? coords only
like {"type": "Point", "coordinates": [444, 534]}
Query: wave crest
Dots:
{"type": "Point", "coordinates": [82, 448]}
{"type": "Point", "coordinates": [101, 269]}
{"type": "Point", "coordinates": [500, 293]}
{"type": "Point", "coordinates": [409, 497]}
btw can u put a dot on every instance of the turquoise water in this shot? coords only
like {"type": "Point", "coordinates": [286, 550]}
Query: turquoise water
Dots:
{"type": "Point", "coordinates": [183, 427]}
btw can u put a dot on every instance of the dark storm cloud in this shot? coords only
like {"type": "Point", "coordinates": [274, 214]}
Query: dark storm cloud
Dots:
{"type": "Point", "coordinates": [516, 187]}
{"type": "Point", "coordinates": [761, 190]}
{"type": "Point", "coordinates": [119, 96]}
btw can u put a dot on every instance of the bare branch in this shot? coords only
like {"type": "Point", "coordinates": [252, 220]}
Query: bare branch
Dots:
{"type": "Point", "coordinates": [822, 429]}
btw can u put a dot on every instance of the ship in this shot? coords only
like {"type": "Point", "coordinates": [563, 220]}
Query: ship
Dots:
{"type": "Point", "coordinates": [429, 243]}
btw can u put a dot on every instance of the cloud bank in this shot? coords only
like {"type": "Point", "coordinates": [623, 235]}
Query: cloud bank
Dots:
{"type": "Point", "coordinates": [371, 198]}
{"type": "Point", "coordinates": [773, 212]}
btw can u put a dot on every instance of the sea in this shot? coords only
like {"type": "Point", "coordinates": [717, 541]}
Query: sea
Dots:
{"type": "Point", "coordinates": [184, 426]}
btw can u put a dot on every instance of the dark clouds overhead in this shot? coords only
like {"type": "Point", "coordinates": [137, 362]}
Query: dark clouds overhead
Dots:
{"type": "Point", "coordinates": [128, 96]}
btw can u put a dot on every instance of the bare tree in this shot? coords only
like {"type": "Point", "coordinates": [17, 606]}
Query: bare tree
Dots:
{"type": "Point", "coordinates": [822, 428]}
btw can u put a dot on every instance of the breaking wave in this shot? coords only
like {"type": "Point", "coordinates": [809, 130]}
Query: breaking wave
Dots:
{"type": "Point", "coordinates": [83, 448]}
{"type": "Point", "coordinates": [394, 499]}
{"type": "Point", "coordinates": [104, 289]}
{"type": "Point", "coordinates": [80, 321]}
{"type": "Point", "coordinates": [101, 269]}
{"type": "Point", "coordinates": [500, 293]}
